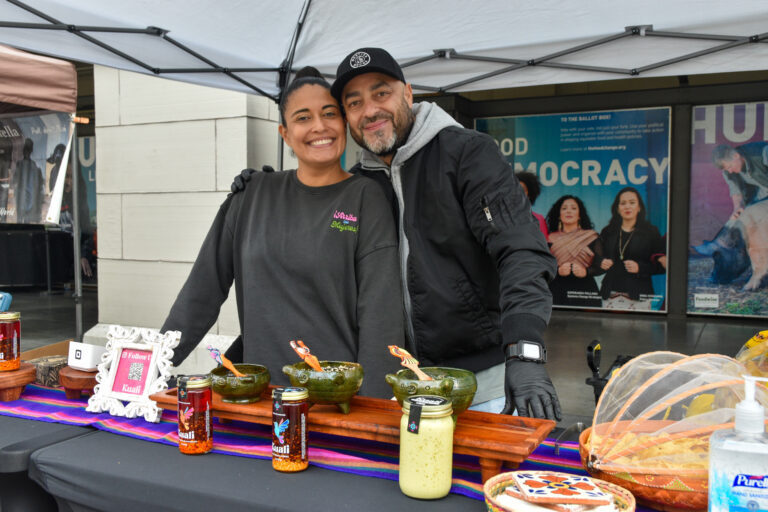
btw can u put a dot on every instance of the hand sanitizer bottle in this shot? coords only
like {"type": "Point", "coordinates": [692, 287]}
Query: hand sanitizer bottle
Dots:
{"type": "Point", "coordinates": [738, 459]}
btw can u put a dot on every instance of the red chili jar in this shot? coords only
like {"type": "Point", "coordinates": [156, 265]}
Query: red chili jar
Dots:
{"type": "Point", "coordinates": [10, 341]}
{"type": "Point", "coordinates": [289, 429]}
{"type": "Point", "coordinates": [194, 404]}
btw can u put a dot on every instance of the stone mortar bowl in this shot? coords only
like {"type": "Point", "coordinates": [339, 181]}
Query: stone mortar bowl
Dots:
{"type": "Point", "coordinates": [454, 383]}
{"type": "Point", "coordinates": [336, 384]}
{"type": "Point", "coordinates": [240, 390]}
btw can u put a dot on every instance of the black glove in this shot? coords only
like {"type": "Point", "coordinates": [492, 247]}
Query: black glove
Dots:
{"type": "Point", "coordinates": [527, 383]}
{"type": "Point", "coordinates": [242, 179]}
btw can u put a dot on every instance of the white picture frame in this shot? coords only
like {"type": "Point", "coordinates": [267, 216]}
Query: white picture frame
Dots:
{"type": "Point", "coordinates": [137, 364]}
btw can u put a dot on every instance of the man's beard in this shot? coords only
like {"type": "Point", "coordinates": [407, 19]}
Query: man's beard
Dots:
{"type": "Point", "coordinates": [402, 122]}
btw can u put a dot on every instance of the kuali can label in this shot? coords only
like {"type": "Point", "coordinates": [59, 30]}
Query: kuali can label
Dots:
{"type": "Point", "coordinates": [289, 429]}
{"type": "Point", "coordinates": [194, 405]}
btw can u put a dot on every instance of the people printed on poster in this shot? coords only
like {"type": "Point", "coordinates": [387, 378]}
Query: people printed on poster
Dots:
{"type": "Point", "coordinates": [728, 228]}
{"type": "Point", "coordinates": [28, 154]}
{"type": "Point", "coordinates": [579, 253]}
{"type": "Point", "coordinates": [633, 247]}
{"type": "Point", "coordinates": [604, 185]}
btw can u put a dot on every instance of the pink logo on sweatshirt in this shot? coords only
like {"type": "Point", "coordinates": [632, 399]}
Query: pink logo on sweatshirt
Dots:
{"type": "Point", "coordinates": [346, 217]}
{"type": "Point", "coordinates": [344, 221]}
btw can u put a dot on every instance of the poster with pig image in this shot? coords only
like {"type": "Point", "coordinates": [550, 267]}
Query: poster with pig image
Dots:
{"type": "Point", "coordinates": [603, 192]}
{"type": "Point", "coordinates": [728, 234]}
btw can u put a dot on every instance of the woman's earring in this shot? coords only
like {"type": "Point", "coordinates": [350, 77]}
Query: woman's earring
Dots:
{"type": "Point", "coordinates": [559, 225]}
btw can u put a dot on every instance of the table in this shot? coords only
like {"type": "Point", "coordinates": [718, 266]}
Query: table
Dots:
{"type": "Point", "coordinates": [18, 439]}
{"type": "Point", "coordinates": [108, 472]}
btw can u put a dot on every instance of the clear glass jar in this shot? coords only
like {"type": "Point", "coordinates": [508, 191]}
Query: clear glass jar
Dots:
{"type": "Point", "coordinates": [10, 341]}
{"type": "Point", "coordinates": [194, 400]}
{"type": "Point", "coordinates": [289, 429]}
{"type": "Point", "coordinates": [426, 447]}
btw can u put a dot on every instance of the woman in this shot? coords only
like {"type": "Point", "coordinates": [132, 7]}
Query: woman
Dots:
{"type": "Point", "coordinates": [578, 251]}
{"type": "Point", "coordinates": [312, 252]}
{"type": "Point", "coordinates": [630, 243]}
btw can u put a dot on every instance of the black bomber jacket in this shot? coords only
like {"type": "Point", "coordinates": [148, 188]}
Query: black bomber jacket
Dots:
{"type": "Point", "coordinates": [476, 264]}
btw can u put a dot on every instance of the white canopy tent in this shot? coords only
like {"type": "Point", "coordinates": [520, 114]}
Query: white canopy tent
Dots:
{"type": "Point", "coordinates": [446, 46]}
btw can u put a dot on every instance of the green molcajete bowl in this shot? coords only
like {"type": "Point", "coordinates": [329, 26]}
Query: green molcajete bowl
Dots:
{"type": "Point", "coordinates": [454, 383]}
{"type": "Point", "coordinates": [240, 390]}
{"type": "Point", "coordinates": [336, 384]}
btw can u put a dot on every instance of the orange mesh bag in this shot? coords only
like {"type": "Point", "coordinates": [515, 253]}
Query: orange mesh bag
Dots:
{"type": "Point", "coordinates": [652, 424]}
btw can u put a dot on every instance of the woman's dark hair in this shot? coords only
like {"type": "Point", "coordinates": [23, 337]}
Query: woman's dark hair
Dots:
{"type": "Point", "coordinates": [305, 76]}
{"type": "Point", "coordinates": [616, 218]}
{"type": "Point", "coordinates": [531, 182]}
{"type": "Point", "coordinates": [553, 216]}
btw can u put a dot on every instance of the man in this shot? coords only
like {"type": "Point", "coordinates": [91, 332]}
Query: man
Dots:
{"type": "Point", "coordinates": [745, 170]}
{"type": "Point", "coordinates": [474, 264]}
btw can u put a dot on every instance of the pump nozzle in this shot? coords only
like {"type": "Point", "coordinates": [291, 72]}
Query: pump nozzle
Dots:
{"type": "Point", "coordinates": [750, 414]}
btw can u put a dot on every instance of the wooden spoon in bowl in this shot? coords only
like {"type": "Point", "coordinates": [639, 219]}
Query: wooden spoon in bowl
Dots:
{"type": "Point", "coordinates": [300, 348]}
{"type": "Point", "coordinates": [408, 361]}
{"type": "Point", "coordinates": [222, 360]}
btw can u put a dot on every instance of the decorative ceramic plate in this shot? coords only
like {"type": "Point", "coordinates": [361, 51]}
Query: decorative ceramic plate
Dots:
{"type": "Point", "coordinates": [494, 487]}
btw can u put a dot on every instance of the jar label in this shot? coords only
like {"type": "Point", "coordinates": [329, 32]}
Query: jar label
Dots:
{"type": "Point", "coordinates": [414, 418]}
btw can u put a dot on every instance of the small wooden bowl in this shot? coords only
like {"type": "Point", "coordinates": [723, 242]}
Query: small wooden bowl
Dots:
{"type": "Point", "coordinates": [495, 486]}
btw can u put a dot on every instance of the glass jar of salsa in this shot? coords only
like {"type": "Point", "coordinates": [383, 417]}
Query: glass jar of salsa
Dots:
{"type": "Point", "coordinates": [426, 447]}
{"type": "Point", "coordinates": [194, 404]}
{"type": "Point", "coordinates": [289, 429]}
{"type": "Point", "coordinates": [10, 341]}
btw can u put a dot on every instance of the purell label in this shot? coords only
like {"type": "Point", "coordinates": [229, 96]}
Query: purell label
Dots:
{"type": "Point", "coordinates": [751, 481]}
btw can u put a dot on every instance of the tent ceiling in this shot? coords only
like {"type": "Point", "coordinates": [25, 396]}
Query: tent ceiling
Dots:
{"type": "Point", "coordinates": [444, 45]}
{"type": "Point", "coordinates": [29, 82]}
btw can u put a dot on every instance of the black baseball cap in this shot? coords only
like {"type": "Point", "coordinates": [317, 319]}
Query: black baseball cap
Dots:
{"type": "Point", "coordinates": [365, 60]}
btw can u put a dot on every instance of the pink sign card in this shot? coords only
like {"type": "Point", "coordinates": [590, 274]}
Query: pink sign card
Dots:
{"type": "Point", "coordinates": [132, 371]}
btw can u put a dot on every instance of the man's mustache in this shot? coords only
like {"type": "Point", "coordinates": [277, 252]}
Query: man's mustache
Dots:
{"type": "Point", "coordinates": [368, 120]}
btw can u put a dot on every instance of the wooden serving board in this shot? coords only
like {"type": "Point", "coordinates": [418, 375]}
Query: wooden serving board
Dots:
{"type": "Point", "coordinates": [494, 438]}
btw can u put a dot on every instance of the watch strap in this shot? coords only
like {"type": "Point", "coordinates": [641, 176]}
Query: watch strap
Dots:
{"type": "Point", "coordinates": [515, 351]}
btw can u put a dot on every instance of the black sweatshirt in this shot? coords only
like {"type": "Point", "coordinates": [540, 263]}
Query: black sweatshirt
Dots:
{"type": "Point", "coordinates": [317, 264]}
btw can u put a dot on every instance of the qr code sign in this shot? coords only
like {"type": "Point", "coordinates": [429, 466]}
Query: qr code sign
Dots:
{"type": "Point", "coordinates": [135, 371]}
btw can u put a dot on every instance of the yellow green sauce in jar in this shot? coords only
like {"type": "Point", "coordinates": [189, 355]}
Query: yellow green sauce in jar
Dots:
{"type": "Point", "coordinates": [426, 447]}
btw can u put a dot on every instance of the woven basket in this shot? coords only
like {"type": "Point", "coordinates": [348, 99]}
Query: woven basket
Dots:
{"type": "Point", "coordinates": [623, 499]}
{"type": "Point", "coordinates": [671, 493]}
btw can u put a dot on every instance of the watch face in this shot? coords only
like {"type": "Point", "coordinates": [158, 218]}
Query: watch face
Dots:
{"type": "Point", "coordinates": [531, 351]}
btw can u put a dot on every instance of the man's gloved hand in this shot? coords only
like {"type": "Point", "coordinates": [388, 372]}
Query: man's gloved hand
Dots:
{"type": "Point", "coordinates": [242, 179]}
{"type": "Point", "coordinates": [527, 384]}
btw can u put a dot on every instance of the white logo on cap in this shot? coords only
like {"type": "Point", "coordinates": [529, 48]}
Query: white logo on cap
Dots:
{"type": "Point", "coordinates": [359, 60]}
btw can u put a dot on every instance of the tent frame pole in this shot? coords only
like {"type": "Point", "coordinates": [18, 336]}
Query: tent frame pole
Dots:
{"type": "Point", "coordinates": [78, 294]}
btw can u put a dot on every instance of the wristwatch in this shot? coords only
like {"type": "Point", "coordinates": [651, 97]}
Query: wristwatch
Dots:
{"type": "Point", "coordinates": [525, 350]}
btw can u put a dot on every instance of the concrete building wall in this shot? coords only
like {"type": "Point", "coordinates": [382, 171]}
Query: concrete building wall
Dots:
{"type": "Point", "coordinates": [167, 153]}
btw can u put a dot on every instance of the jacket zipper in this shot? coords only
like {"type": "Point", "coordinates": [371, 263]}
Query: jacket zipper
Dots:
{"type": "Point", "coordinates": [403, 246]}
{"type": "Point", "coordinates": [486, 209]}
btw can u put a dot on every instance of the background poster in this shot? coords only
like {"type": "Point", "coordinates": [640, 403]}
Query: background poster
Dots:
{"type": "Point", "coordinates": [31, 149]}
{"type": "Point", "coordinates": [86, 154]}
{"type": "Point", "coordinates": [728, 257]}
{"type": "Point", "coordinates": [593, 156]}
